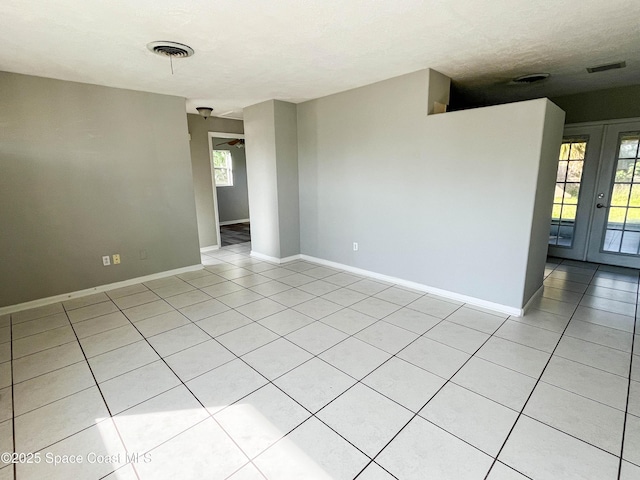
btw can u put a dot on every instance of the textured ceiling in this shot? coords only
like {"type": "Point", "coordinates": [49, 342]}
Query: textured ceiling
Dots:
{"type": "Point", "coordinates": [248, 51]}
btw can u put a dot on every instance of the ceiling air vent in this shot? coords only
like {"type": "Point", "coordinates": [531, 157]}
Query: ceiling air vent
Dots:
{"type": "Point", "coordinates": [604, 68]}
{"type": "Point", "coordinates": [529, 79]}
{"type": "Point", "coordinates": [170, 49]}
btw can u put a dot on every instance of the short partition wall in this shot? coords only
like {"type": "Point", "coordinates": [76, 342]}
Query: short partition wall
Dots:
{"type": "Point", "coordinates": [459, 202]}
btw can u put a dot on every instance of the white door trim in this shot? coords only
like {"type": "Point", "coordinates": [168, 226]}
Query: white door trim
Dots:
{"type": "Point", "coordinates": [588, 183]}
{"type": "Point", "coordinates": [606, 177]}
{"type": "Point", "coordinates": [216, 214]}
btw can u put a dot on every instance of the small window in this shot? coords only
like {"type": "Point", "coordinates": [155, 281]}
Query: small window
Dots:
{"type": "Point", "coordinates": [222, 168]}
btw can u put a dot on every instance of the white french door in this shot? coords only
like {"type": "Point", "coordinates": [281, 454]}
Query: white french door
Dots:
{"type": "Point", "coordinates": [596, 214]}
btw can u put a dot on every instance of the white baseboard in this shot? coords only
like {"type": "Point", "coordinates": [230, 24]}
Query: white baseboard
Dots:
{"type": "Point", "coordinates": [290, 259]}
{"type": "Point", "coordinates": [101, 288]}
{"type": "Point", "coordinates": [478, 302]}
{"type": "Point", "coordinates": [267, 258]}
{"type": "Point", "coordinates": [210, 248]}
{"type": "Point", "coordinates": [233, 222]}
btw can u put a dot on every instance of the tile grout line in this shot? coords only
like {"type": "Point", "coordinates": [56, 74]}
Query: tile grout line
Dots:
{"type": "Point", "coordinates": [86, 359]}
{"type": "Point", "coordinates": [558, 429]}
{"type": "Point", "coordinates": [591, 366]}
{"type": "Point", "coordinates": [282, 336]}
{"type": "Point", "coordinates": [495, 459]}
{"type": "Point", "coordinates": [416, 414]}
{"type": "Point", "coordinates": [392, 356]}
{"type": "Point", "coordinates": [312, 414]}
{"type": "Point", "coordinates": [57, 400]}
{"type": "Point", "coordinates": [600, 325]}
{"type": "Point", "coordinates": [269, 381]}
{"type": "Point", "coordinates": [144, 338]}
{"type": "Point", "coordinates": [581, 396]}
{"type": "Point", "coordinates": [269, 297]}
{"type": "Point", "coordinates": [626, 413]}
{"type": "Point", "coordinates": [209, 415]}
{"type": "Point", "coordinates": [599, 344]}
{"type": "Point", "coordinates": [521, 413]}
{"type": "Point", "coordinates": [351, 335]}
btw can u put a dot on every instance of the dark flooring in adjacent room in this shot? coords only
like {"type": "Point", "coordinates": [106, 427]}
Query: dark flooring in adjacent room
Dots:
{"type": "Point", "coordinates": [234, 234]}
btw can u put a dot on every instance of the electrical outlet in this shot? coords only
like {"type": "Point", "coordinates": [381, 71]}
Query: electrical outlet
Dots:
{"type": "Point", "coordinates": [116, 258]}
{"type": "Point", "coordinates": [143, 254]}
{"type": "Point", "coordinates": [355, 246]}
{"type": "Point", "coordinates": [106, 260]}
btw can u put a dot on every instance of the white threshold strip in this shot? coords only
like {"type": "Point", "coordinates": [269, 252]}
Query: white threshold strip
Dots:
{"type": "Point", "coordinates": [477, 302]}
{"type": "Point", "coordinates": [101, 288]}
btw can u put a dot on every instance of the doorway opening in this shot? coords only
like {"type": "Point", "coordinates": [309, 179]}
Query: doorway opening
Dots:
{"type": "Point", "coordinates": [596, 211]}
{"type": "Point", "coordinates": [230, 192]}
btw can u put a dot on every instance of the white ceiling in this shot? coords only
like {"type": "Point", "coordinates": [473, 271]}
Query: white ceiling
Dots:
{"type": "Point", "coordinates": [248, 51]}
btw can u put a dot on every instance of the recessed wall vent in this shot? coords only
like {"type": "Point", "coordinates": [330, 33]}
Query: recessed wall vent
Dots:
{"type": "Point", "coordinates": [604, 68]}
{"type": "Point", "coordinates": [529, 79]}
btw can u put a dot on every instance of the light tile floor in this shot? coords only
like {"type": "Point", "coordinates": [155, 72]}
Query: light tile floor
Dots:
{"type": "Point", "coordinates": [248, 370]}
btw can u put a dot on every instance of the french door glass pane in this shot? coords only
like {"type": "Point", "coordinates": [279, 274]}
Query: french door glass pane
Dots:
{"type": "Point", "coordinates": [633, 219]}
{"type": "Point", "coordinates": [630, 242]}
{"type": "Point", "coordinates": [565, 198]}
{"type": "Point", "coordinates": [612, 239]}
{"type": "Point", "coordinates": [634, 201]}
{"type": "Point", "coordinates": [623, 221]}
{"type": "Point", "coordinates": [620, 195]}
{"type": "Point", "coordinates": [628, 146]}
{"type": "Point", "coordinates": [562, 171]}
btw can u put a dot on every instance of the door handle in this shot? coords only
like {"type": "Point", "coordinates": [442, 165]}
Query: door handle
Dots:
{"type": "Point", "coordinates": [600, 205]}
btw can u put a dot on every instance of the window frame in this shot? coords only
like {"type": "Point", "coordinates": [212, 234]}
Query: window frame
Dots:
{"type": "Point", "coordinates": [228, 168]}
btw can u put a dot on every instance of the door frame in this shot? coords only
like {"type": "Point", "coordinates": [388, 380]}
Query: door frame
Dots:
{"type": "Point", "coordinates": [588, 183]}
{"type": "Point", "coordinates": [216, 214]}
{"type": "Point", "coordinates": [572, 253]}
{"type": "Point", "coordinates": [599, 216]}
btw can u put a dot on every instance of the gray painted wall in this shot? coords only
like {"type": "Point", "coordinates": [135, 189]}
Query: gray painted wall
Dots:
{"type": "Point", "coordinates": [449, 204]}
{"type": "Point", "coordinates": [550, 141]}
{"type": "Point", "coordinates": [614, 103]}
{"type": "Point", "coordinates": [272, 168]}
{"type": "Point", "coordinates": [233, 201]}
{"type": "Point", "coordinates": [199, 129]}
{"type": "Point", "coordinates": [285, 117]}
{"type": "Point", "coordinates": [262, 178]}
{"type": "Point", "coordinates": [88, 171]}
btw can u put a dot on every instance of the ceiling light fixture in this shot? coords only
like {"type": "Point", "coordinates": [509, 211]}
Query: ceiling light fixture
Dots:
{"type": "Point", "coordinates": [204, 111]}
{"type": "Point", "coordinates": [171, 50]}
